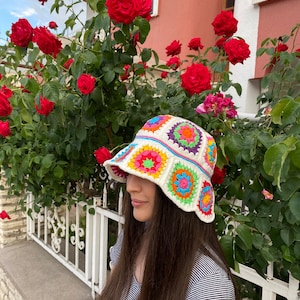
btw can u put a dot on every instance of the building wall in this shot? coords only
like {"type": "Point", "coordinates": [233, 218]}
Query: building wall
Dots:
{"type": "Point", "coordinates": [277, 18]}
{"type": "Point", "coordinates": [182, 20]}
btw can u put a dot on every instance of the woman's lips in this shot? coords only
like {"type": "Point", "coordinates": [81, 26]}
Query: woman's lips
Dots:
{"type": "Point", "coordinates": [137, 203]}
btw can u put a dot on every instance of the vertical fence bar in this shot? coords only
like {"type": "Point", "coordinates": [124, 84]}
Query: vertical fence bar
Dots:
{"type": "Point", "coordinates": [67, 244]}
{"type": "Point", "coordinates": [77, 237]}
{"type": "Point", "coordinates": [103, 250]}
{"type": "Point", "coordinates": [96, 251]}
{"type": "Point", "coordinates": [29, 220]}
{"type": "Point", "coordinates": [89, 241]}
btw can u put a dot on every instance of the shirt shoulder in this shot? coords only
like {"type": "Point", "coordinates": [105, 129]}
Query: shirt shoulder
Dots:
{"type": "Point", "coordinates": [209, 281]}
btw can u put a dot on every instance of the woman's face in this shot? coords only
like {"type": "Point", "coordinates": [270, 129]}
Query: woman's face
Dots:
{"type": "Point", "coordinates": [142, 193]}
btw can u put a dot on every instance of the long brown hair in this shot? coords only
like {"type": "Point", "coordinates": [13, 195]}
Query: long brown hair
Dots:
{"type": "Point", "coordinates": [176, 237]}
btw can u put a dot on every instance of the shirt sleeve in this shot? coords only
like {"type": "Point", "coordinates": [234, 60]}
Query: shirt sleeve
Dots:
{"type": "Point", "coordinates": [215, 286]}
{"type": "Point", "coordinates": [115, 250]}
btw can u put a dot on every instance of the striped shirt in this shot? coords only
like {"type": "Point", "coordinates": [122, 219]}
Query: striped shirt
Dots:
{"type": "Point", "coordinates": [208, 280]}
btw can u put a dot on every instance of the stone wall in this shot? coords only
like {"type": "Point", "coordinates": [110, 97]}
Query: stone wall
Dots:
{"type": "Point", "coordinates": [7, 288]}
{"type": "Point", "coordinates": [14, 229]}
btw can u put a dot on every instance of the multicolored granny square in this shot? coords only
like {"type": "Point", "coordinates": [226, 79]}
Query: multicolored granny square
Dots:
{"type": "Point", "coordinates": [177, 155]}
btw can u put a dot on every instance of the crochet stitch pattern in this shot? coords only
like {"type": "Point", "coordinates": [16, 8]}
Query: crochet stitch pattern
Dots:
{"type": "Point", "coordinates": [177, 155]}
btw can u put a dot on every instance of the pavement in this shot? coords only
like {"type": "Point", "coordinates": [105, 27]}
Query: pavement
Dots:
{"type": "Point", "coordinates": [36, 275]}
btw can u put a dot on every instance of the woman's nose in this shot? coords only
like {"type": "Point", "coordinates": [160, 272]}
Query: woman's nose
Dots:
{"type": "Point", "coordinates": [132, 184]}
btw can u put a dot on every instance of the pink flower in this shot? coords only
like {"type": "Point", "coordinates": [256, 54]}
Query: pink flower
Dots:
{"type": "Point", "coordinates": [173, 63]}
{"type": "Point", "coordinates": [267, 195]}
{"type": "Point", "coordinates": [174, 48]}
{"type": "Point", "coordinates": [102, 154]}
{"type": "Point", "coordinates": [86, 83]}
{"type": "Point", "coordinates": [45, 106]}
{"type": "Point", "coordinates": [218, 105]}
{"type": "Point", "coordinates": [200, 109]}
{"type": "Point", "coordinates": [195, 44]}
{"type": "Point", "coordinates": [4, 128]}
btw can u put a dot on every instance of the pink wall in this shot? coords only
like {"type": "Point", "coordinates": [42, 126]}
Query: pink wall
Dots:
{"type": "Point", "coordinates": [277, 17]}
{"type": "Point", "coordinates": [182, 20]}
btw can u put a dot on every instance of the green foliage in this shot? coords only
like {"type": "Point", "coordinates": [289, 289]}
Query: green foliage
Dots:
{"type": "Point", "coordinates": [53, 156]}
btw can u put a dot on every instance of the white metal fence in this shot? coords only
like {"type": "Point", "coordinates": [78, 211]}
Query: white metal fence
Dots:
{"type": "Point", "coordinates": [80, 240]}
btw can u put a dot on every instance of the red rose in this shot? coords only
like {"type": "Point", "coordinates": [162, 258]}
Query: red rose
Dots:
{"type": "Point", "coordinates": [43, 1]}
{"type": "Point", "coordinates": [1, 76]}
{"type": "Point", "coordinates": [45, 106]}
{"type": "Point", "coordinates": [218, 176]}
{"type": "Point", "coordinates": [47, 42]}
{"type": "Point", "coordinates": [126, 73]}
{"type": "Point", "coordinates": [225, 23]}
{"type": "Point", "coordinates": [164, 74]}
{"type": "Point", "coordinates": [4, 215]}
{"type": "Point", "coordinates": [21, 33]}
{"type": "Point", "coordinates": [68, 63]}
{"type": "Point", "coordinates": [86, 83]}
{"type": "Point", "coordinates": [4, 128]}
{"type": "Point", "coordinates": [220, 42]}
{"type": "Point", "coordinates": [195, 44]}
{"type": "Point", "coordinates": [124, 11]}
{"type": "Point", "coordinates": [5, 106]}
{"type": "Point", "coordinates": [146, 9]}
{"type": "Point", "coordinates": [174, 48]}
{"type": "Point", "coordinates": [281, 47]}
{"type": "Point", "coordinates": [52, 25]}
{"type": "Point", "coordinates": [173, 62]}
{"type": "Point", "coordinates": [102, 154]}
{"type": "Point", "coordinates": [237, 50]}
{"type": "Point", "coordinates": [6, 91]}
{"type": "Point", "coordinates": [196, 79]}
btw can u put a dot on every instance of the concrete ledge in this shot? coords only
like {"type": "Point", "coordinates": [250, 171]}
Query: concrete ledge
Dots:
{"type": "Point", "coordinates": [28, 272]}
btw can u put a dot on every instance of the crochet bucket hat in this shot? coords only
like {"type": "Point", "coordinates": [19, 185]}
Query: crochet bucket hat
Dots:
{"type": "Point", "coordinates": [177, 155]}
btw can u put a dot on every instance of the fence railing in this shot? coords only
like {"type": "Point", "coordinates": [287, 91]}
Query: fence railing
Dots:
{"type": "Point", "coordinates": [80, 241]}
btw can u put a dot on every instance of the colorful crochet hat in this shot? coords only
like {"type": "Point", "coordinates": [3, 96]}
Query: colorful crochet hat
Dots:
{"type": "Point", "coordinates": [177, 155]}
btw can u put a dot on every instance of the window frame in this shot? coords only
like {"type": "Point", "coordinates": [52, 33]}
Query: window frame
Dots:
{"type": "Point", "coordinates": [154, 11]}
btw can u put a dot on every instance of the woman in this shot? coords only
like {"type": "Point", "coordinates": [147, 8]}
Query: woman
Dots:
{"type": "Point", "coordinates": [168, 249]}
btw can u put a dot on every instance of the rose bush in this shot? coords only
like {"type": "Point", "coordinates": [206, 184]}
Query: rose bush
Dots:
{"type": "Point", "coordinates": [61, 103]}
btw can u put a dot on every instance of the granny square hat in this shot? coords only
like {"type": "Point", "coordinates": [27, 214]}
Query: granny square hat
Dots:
{"type": "Point", "coordinates": [177, 155]}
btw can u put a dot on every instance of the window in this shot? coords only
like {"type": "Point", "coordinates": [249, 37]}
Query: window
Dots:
{"type": "Point", "coordinates": [154, 8]}
{"type": "Point", "coordinates": [228, 4]}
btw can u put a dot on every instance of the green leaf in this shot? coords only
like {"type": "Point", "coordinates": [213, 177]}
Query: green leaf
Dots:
{"type": "Point", "coordinates": [47, 161]}
{"type": "Point", "coordinates": [50, 90]}
{"type": "Point", "coordinates": [263, 224]}
{"type": "Point", "coordinates": [81, 133]}
{"type": "Point", "coordinates": [146, 54]}
{"type": "Point", "coordinates": [275, 158]}
{"type": "Point", "coordinates": [226, 242]}
{"type": "Point", "coordinates": [58, 172]}
{"type": "Point", "coordinates": [287, 236]}
{"type": "Point", "coordinates": [245, 235]}
{"type": "Point", "coordinates": [294, 205]}
{"type": "Point", "coordinates": [109, 76]}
